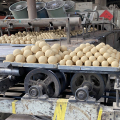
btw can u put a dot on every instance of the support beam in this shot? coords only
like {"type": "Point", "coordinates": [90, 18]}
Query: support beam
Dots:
{"type": "Point", "coordinates": [32, 12]}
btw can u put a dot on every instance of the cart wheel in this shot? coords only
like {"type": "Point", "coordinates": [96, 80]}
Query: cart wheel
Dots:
{"type": "Point", "coordinates": [62, 78]}
{"type": "Point", "coordinates": [95, 80]}
{"type": "Point", "coordinates": [45, 78]}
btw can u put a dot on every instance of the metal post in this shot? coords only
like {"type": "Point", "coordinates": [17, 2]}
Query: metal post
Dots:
{"type": "Point", "coordinates": [117, 98]}
{"type": "Point", "coordinates": [1, 31]}
{"type": "Point", "coordinates": [68, 31]}
{"type": "Point", "coordinates": [32, 12]}
{"type": "Point", "coordinates": [117, 93]}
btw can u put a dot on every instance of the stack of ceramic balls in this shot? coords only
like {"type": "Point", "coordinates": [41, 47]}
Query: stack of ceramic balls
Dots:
{"type": "Point", "coordinates": [89, 55]}
{"type": "Point", "coordinates": [14, 39]}
{"type": "Point", "coordinates": [48, 35]}
{"type": "Point", "coordinates": [41, 53]}
{"type": "Point", "coordinates": [76, 32]}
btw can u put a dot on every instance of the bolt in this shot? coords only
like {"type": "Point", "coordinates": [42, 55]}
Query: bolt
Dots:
{"type": "Point", "coordinates": [33, 92]}
{"type": "Point", "coordinates": [81, 95]}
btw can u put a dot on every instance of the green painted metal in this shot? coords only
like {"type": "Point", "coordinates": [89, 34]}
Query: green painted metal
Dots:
{"type": "Point", "coordinates": [42, 13]}
{"type": "Point", "coordinates": [19, 13]}
{"type": "Point", "coordinates": [58, 12]}
{"type": "Point", "coordinates": [72, 9]}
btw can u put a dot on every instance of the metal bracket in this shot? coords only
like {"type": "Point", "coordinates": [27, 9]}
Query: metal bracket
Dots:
{"type": "Point", "coordinates": [89, 100]}
{"type": "Point", "coordinates": [43, 97]}
{"type": "Point", "coordinates": [116, 105]}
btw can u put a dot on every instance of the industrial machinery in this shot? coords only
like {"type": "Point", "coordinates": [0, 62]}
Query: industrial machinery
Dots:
{"type": "Point", "coordinates": [53, 91]}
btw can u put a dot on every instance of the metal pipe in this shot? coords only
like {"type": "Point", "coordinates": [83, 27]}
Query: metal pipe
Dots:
{"type": "Point", "coordinates": [74, 21]}
{"type": "Point", "coordinates": [8, 71]}
{"type": "Point", "coordinates": [32, 12]}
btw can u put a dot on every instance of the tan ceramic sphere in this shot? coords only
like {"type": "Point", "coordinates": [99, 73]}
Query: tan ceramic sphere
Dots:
{"type": "Point", "coordinates": [45, 48]}
{"type": "Point", "coordinates": [105, 64]}
{"type": "Point", "coordinates": [87, 44]}
{"type": "Point", "coordinates": [22, 42]}
{"type": "Point", "coordinates": [35, 49]}
{"type": "Point", "coordinates": [108, 46]}
{"type": "Point", "coordinates": [26, 53]}
{"type": "Point", "coordinates": [17, 52]}
{"type": "Point", "coordinates": [66, 53]}
{"type": "Point", "coordinates": [77, 50]}
{"type": "Point", "coordinates": [96, 63]}
{"type": "Point", "coordinates": [84, 58]}
{"type": "Point", "coordinates": [39, 53]}
{"type": "Point", "coordinates": [97, 54]}
{"type": "Point", "coordinates": [115, 51]}
{"type": "Point", "coordinates": [92, 58]}
{"type": "Point", "coordinates": [56, 46]}
{"type": "Point", "coordinates": [12, 42]}
{"type": "Point", "coordinates": [106, 55]}
{"type": "Point", "coordinates": [79, 63]}
{"type": "Point", "coordinates": [73, 54]}
{"type": "Point", "coordinates": [69, 63]}
{"type": "Point", "coordinates": [80, 54]}
{"type": "Point", "coordinates": [93, 50]}
{"type": "Point", "coordinates": [85, 50]}
{"type": "Point", "coordinates": [28, 42]}
{"type": "Point", "coordinates": [102, 51]}
{"type": "Point", "coordinates": [10, 58]}
{"type": "Point", "coordinates": [42, 60]}
{"type": "Point", "coordinates": [33, 42]}
{"type": "Point", "coordinates": [41, 44]}
{"type": "Point", "coordinates": [20, 58]}
{"type": "Point", "coordinates": [52, 60]}
{"type": "Point", "coordinates": [115, 64]}
{"type": "Point", "coordinates": [110, 60]}
{"type": "Point", "coordinates": [62, 55]}
{"type": "Point", "coordinates": [58, 57]}
{"type": "Point", "coordinates": [63, 48]}
{"type": "Point", "coordinates": [8, 41]}
{"type": "Point", "coordinates": [22, 50]}
{"type": "Point", "coordinates": [103, 44]}
{"type": "Point", "coordinates": [113, 55]}
{"type": "Point", "coordinates": [98, 47]}
{"type": "Point", "coordinates": [67, 57]}
{"type": "Point", "coordinates": [62, 62]}
{"type": "Point", "coordinates": [37, 43]}
{"type": "Point", "coordinates": [55, 51]}
{"type": "Point", "coordinates": [87, 63]}
{"type": "Point", "coordinates": [88, 54]}
{"type": "Point", "coordinates": [100, 58]}
{"type": "Point", "coordinates": [109, 51]}
{"type": "Point", "coordinates": [49, 53]}
{"type": "Point", "coordinates": [31, 59]}
{"type": "Point", "coordinates": [27, 48]}
{"type": "Point", "coordinates": [75, 58]}
{"type": "Point", "coordinates": [82, 46]}
{"type": "Point", "coordinates": [3, 41]}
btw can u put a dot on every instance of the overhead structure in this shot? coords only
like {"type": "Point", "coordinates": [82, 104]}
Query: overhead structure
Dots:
{"type": "Point", "coordinates": [32, 12]}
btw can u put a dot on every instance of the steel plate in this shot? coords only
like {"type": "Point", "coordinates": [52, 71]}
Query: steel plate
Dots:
{"type": "Point", "coordinates": [33, 65]}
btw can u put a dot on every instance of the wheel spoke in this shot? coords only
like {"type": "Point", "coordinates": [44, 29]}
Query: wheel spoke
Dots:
{"type": "Point", "coordinates": [32, 82]}
{"type": "Point", "coordinates": [47, 80]}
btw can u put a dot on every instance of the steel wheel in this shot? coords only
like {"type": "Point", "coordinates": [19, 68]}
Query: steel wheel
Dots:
{"type": "Point", "coordinates": [48, 80]}
{"type": "Point", "coordinates": [96, 81]}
